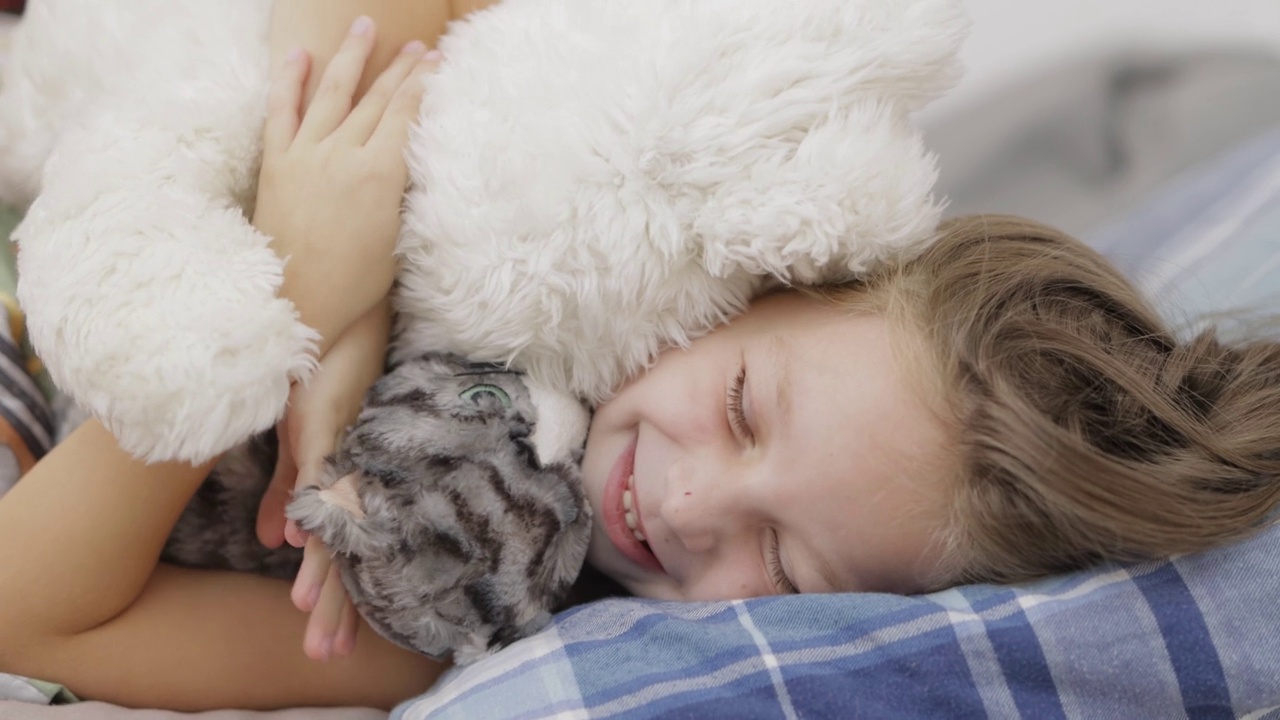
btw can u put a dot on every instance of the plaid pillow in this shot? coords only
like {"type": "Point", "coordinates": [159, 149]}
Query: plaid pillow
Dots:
{"type": "Point", "coordinates": [1195, 636]}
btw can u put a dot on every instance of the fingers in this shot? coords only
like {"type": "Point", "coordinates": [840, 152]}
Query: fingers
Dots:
{"type": "Point", "coordinates": [393, 128]}
{"type": "Point", "coordinates": [314, 441]}
{"type": "Point", "coordinates": [311, 575]}
{"type": "Point", "coordinates": [323, 625]}
{"type": "Point", "coordinates": [271, 518]}
{"type": "Point", "coordinates": [323, 410]}
{"type": "Point", "coordinates": [345, 642]}
{"type": "Point", "coordinates": [363, 120]}
{"type": "Point", "coordinates": [332, 101]}
{"type": "Point", "coordinates": [316, 438]}
{"type": "Point", "coordinates": [295, 535]}
{"type": "Point", "coordinates": [318, 589]}
{"type": "Point", "coordinates": [305, 471]}
{"type": "Point", "coordinates": [284, 103]}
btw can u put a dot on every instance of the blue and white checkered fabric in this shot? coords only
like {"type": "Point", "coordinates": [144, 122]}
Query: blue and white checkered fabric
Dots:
{"type": "Point", "coordinates": [1196, 637]}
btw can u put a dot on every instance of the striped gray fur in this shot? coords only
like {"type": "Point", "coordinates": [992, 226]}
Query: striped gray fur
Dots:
{"type": "Point", "coordinates": [467, 541]}
{"type": "Point", "coordinates": [216, 529]}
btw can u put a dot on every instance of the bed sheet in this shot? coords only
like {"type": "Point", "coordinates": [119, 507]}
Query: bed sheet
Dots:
{"type": "Point", "coordinates": [11, 710]}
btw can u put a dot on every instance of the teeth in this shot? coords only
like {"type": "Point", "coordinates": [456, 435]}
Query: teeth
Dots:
{"type": "Point", "coordinates": [628, 504]}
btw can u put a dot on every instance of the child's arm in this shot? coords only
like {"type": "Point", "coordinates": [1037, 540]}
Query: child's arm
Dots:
{"type": "Point", "coordinates": [82, 600]}
{"type": "Point", "coordinates": [318, 27]}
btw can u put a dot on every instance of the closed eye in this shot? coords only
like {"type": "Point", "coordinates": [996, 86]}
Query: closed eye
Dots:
{"type": "Point", "coordinates": [777, 573]}
{"type": "Point", "coordinates": [734, 406]}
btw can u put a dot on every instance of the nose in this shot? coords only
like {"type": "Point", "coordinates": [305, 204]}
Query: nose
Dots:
{"type": "Point", "coordinates": [699, 507]}
{"type": "Point", "coordinates": [711, 512]}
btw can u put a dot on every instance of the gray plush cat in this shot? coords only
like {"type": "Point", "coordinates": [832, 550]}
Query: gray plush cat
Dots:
{"type": "Point", "coordinates": [452, 535]}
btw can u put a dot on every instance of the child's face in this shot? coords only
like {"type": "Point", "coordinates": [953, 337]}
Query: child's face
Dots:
{"type": "Point", "coordinates": [832, 476]}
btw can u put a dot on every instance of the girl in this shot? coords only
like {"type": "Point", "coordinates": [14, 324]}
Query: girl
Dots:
{"type": "Point", "coordinates": [1003, 407]}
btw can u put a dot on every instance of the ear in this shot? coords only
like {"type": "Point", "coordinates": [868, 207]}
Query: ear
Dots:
{"type": "Point", "coordinates": [561, 425]}
{"type": "Point", "coordinates": [342, 494]}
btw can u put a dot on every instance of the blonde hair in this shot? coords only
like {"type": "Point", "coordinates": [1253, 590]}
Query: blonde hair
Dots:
{"type": "Point", "coordinates": [1084, 429]}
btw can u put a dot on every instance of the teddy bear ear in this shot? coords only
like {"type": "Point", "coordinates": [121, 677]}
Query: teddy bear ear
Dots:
{"type": "Point", "coordinates": [342, 494]}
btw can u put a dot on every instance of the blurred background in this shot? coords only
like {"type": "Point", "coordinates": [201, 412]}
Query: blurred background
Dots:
{"type": "Point", "coordinates": [1072, 112]}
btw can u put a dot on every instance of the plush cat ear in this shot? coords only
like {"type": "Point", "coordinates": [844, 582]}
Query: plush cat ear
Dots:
{"type": "Point", "coordinates": [342, 494]}
{"type": "Point", "coordinates": [560, 428]}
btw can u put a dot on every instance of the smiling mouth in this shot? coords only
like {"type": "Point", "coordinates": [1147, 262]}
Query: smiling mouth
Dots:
{"type": "Point", "coordinates": [623, 523]}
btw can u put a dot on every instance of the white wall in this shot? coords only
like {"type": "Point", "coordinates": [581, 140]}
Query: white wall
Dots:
{"type": "Point", "coordinates": [1014, 38]}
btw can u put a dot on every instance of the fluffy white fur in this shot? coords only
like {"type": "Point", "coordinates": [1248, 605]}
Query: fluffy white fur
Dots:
{"type": "Point", "coordinates": [591, 180]}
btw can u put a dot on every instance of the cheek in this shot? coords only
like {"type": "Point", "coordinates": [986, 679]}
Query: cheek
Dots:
{"type": "Point", "coordinates": [680, 396]}
{"type": "Point", "coordinates": [592, 460]}
{"type": "Point", "coordinates": [625, 409]}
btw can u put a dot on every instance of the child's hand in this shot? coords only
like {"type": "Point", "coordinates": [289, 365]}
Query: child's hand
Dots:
{"type": "Point", "coordinates": [331, 182]}
{"type": "Point", "coordinates": [318, 414]}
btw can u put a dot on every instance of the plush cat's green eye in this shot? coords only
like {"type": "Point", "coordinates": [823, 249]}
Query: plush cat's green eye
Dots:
{"type": "Point", "coordinates": [475, 393]}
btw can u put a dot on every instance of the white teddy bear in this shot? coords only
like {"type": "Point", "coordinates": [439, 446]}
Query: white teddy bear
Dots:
{"type": "Point", "coordinates": [591, 181]}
